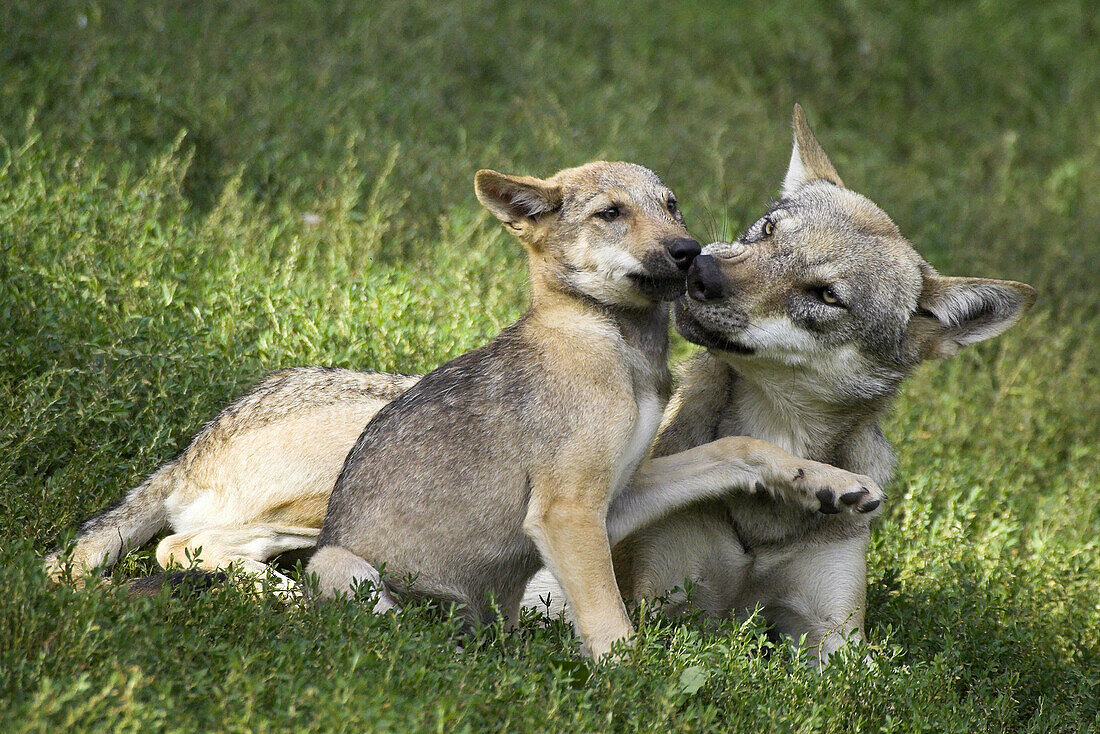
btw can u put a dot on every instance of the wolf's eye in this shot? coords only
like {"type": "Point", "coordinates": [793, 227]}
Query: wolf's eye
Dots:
{"type": "Point", "coordinates": [768, 228]}
{"type": "Point", "coordinates": [673, 207]}
{"type": "Point", "coordinates": [610, 214]}
{"type": "Point", "coordinates": [829, 296]}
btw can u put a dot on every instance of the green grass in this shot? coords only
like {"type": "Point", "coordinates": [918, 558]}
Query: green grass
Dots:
{"type": "Point", "coordinates": [194, 194]}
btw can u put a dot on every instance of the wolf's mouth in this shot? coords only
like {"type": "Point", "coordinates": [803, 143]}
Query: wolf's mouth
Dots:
{"type": "Point", "coordinates": [666, 286]}
{"type": "Point", "coordinates": [726, 344]}
{"type": "Point", "coordinates": [693, 330]}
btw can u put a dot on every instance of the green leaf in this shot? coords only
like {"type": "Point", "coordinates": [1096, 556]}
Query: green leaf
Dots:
{"type": "Point", "coordinates": [692, 679]}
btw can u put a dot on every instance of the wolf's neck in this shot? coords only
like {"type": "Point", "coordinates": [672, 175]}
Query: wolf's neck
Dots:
{"type": "Point", "coordinates": [642, 332]}
{"type": "Point", "coordinates": [645, 336]}
{"type": "Point", "coordinates": [797, 421]}
{"type": "Point", "coordinates": [808, 417]}
{"type": "Point", "coordinates": [645, 330]}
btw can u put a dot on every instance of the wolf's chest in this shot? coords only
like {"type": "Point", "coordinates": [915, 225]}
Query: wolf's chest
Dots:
{"type": "Point", "coordinates": [793, 422]}
{"type": "Point", "coordinates": [646, 422]}
{"type": "Point", "coordinates": [637, 370]}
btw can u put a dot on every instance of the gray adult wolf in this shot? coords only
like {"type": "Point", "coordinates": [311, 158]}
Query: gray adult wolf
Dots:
{"type": "Point", "coordinates": [501, 461]}
{"type": "Point", "coordinates": [810, 321]}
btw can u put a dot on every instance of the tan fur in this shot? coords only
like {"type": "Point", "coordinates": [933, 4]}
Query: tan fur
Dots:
{"type": "Point", "coordinates": [557, 412]}
{"type": "Point", "coordinates": [266, 463]}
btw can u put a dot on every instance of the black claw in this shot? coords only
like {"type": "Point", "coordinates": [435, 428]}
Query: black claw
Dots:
{"type": "Point", "coordinates": [853, 497]}
{"type": "Point", "coordinates": [870, 505]}
{"type": "Point", "coordinates": [828, 506]}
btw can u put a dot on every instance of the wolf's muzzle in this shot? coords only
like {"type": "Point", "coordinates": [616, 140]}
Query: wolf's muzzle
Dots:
{"type": "Point", "coordinates": [704, 282]}
{"type": "Point", "coordinates": [683, 250]}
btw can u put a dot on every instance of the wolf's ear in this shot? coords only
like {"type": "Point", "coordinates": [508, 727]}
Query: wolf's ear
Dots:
{"type": "Point", "coordinates": [516, 200]}
{"type": "Point", "coordinates": [958, 312]}
{"type": "Point", "coordinates": [808, 159]}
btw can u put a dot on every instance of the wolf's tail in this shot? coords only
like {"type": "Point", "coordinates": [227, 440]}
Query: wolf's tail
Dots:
{"type": "Point", "coordinates": [128, 523]}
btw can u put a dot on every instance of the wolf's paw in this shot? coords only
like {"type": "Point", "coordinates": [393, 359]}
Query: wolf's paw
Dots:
{"type": "Point", "coordinates": [831, 491]}
{"type": "Point", "coordinates": [68, 567]}
{"type": "Point", "coordinates": [54, 567]}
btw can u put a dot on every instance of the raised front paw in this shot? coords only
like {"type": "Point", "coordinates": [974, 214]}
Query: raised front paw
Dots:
{"type": "Point", "coordinates": [831, 491]}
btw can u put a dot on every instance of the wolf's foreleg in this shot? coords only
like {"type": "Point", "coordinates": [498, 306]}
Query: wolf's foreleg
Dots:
{"type": "Point", "coordinates": [666, 484]}
{"type": "Point", "coordinates": [566, 520]}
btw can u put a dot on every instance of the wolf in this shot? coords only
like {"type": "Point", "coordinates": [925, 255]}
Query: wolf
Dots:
{"type": "Point", "coordinates": [809, 323]}
{"type": "Point", "coordinates": [500, 462]}
{"type": "Point", "coordinates": [506, 459]}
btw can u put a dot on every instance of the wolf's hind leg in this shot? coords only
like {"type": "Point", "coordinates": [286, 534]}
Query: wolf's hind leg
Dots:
{"type": "Point", "coordinates": [339, 570]}
{"type": "Point", "coordinates": [247, 546]}
{"type": "Point", "coordinates": [821, 599]}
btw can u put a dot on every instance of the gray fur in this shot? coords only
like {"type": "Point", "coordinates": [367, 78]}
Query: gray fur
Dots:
{"type": "Point", "coordinates": [456, 446]}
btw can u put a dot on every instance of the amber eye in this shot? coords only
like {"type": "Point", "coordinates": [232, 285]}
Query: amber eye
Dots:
{"type": "Point", "coordinates": [610, 214]}
{"type": "Point", "coordinates": [769, 228]}
{"type": "Point", "coordinates": [828, 295]}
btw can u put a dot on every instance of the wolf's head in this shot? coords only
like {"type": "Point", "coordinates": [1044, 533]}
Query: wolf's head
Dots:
{"type": "Point", "coordinates": [824, 284]}
{"type": "Point", "coordinates": [612, 232]}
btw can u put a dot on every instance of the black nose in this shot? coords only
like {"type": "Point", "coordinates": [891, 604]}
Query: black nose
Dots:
{"type": "Point", "coordinates": [683, 250]}
{"type": "Point", "coordinates": [704, 281]}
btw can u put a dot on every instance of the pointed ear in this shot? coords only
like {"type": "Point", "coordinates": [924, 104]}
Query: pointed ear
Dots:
{"type": "Point", "coordinates": [965, 311]}
{"type": "Point", "coordinates": [808, 159]}
{"type": "Point", "coordinates": [516, 200]}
